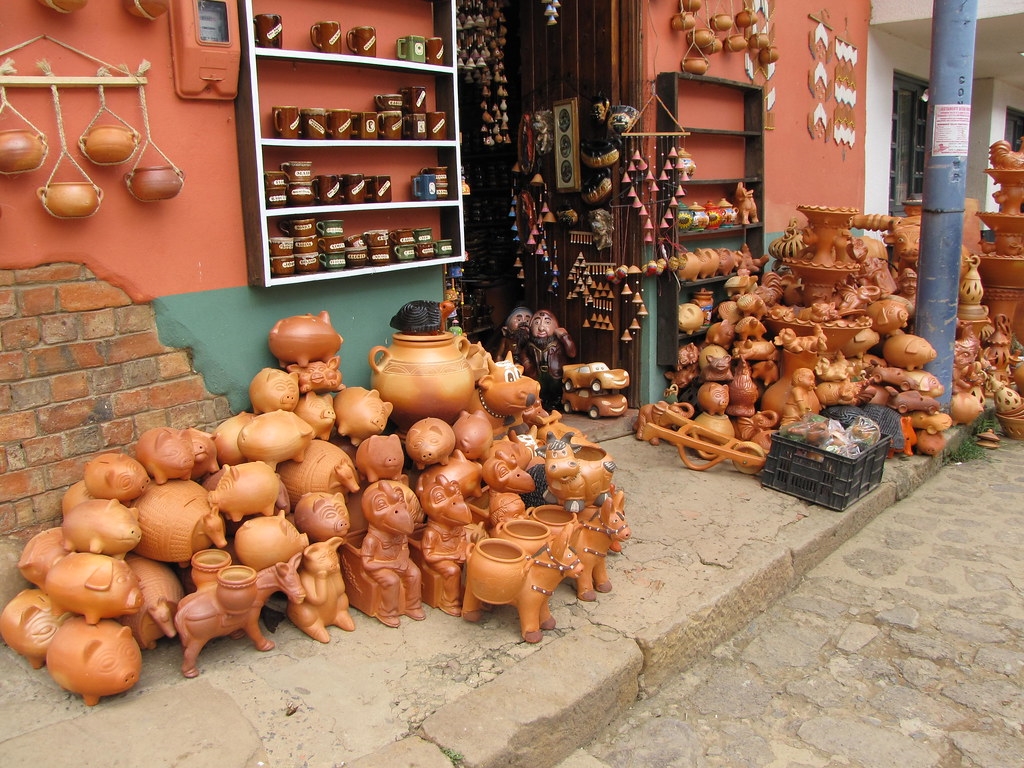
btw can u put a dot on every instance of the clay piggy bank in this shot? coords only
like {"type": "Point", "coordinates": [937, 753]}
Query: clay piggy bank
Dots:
{"type": "Point", "coordinates": [326, 468]}
{"type": "Point", "coordinates": [326, 603]}
{"type": "Point", "coordinates": [473, 434]}
{"type": "Point", "coordinates": [263, 541]}
{"type": "Point", "coordinates": [161, 593]}
{"type": "Point", "coordinates": [302, 339]}
{"type": "Point", "coordinates": [95, 586]}
{"type": "Point", "coordinates": [76, 494]}
{"type": "Point", "coordinates": [115, 476]}
{"type": "Point", "coordinates": [380, 457]}
{"type": "Point", "coordinates": [317, 411]}
{"type": "Point", "coordinates": [94, 660]}
{"type": "Point", "coordinates": [205, 451]}
{"type": "Point", "coordinates": [101, 526]}
{"type": "Point", "coordinates": [429, 441]}
{"type": "Point", "coordinates": [166, 454]}
{"type": "Point", "coordinates": [322, 516]}
{"type": "Point", "coordinates": [905, 350]}
{"type": "Point", "coordinates": [318, 376]}
{"type": "Point", "coordinates": [931, 423]}
{"type": "Point", "coordinates": [225, 438]}
{"type": "Point", "coordinates": [177, 521]}
{"type": "Point", "coordinates": [272, 390]}
{"type": "Point", "coordinates": [247, 489]}
{"type": "Point", "coordinates": [27, 625]}
{"type": "Point", "coordinates": [275, 436]}
{"type": "Point", "coordinates": [40, 553]}
{"type": "Point", "coordinates": [360, 413]}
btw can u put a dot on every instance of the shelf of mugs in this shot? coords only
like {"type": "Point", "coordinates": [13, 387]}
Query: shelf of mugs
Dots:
{"type": "Point", "coordinates": [394, 65]}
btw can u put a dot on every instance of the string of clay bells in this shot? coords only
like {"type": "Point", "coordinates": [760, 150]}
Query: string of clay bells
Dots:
{"type": "Point", "coordinates": [594, 281]}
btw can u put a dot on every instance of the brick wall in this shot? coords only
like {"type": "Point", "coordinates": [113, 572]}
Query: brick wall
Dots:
{"type": "Point", "coordinates": [82, 372]}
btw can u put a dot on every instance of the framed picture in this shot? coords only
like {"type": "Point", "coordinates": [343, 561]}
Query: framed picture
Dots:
{"type": "Point", "coordinates": [567, 146]}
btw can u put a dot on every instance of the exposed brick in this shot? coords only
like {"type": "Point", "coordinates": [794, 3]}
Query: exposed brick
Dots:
{"type": "Point", "coordinates": [174, 364]}
{"type": "Point", "coordinates": [134, 318]}
{"type": "Point", "coordinates": [18, 485]}
{"type": "Point", "coordinates": [30, 393]}
{"type": "Point", "coordinates": [3, 460]}
{"type": "Point", "coordinates": [177, 392]}
{"type": "Point", "coordinates": [5, 397]}
{"type": "Point", "coordinates": [19, 333]}
{"type": "Point", "coordinates": [150, 419]}
{"type": "Point", "coordinates": [8, 518]}
{"type": "Point", "coordinates": [12, 366]}
{"type": "Point", "coordinates": [46, 508]}
{"type": "Point", "coordinates": [69, 386]}
{"type": "Point", "coordinates": [37, 301]}
{"type": "Point", "coordinates": [64, 473]}
{"type": "Point", "coordinates": [104, 380]}
{"type": "Point", "coordinates": [8, 303]}
{"type": "Point", "coordinates": [16, 457]}
{"type": "Point", "coordinates": [83, 296]}
{"type": "Point", "coordinates": [85, 440]}
{"type": "Point", "coordinates": [131, 347]}
{"type": "Point", "coordinates": [43, 450]}
{"type": "Point", "coordinates": [65, 357]}
{"type": "Point", "coordinates": [17, 425]}
{"type": "Point", "coordinates": [184, 416]}
{"type": "Point", "coordinates": [60, 328]}
{"type": "Point", "coordinates": [50, 273]}
{"type": "Point", "coordinates": [76, 413]}
{"type": "Point", "coordinates": [25, 510]}
{"type": "Point", "coordinates": [118, 432]}
{"type": "Point", "coordinates": [139, 373]}
{"type": "Point", "coordinates": [129, 402]}
{"type": "Point", "coordinates": [97, 325]}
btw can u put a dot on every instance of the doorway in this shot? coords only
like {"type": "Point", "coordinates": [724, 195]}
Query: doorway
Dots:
{"type": "Point", "coordinates": [907, 146]}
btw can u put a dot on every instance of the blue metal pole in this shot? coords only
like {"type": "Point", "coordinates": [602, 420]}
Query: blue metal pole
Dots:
{"type": "Point", "coordinates": [949, 113]}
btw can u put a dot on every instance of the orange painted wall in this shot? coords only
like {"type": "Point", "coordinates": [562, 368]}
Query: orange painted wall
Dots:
{"type": "Point", "coordinates": [799, 169]}
{"type": "Point", "coordinates": [192, 242]}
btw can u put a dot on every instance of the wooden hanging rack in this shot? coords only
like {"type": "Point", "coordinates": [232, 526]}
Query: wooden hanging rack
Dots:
{"type": "Point", "coordinates": [127, 80]}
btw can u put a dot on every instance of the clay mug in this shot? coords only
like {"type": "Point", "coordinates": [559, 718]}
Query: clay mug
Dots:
{"type": "Point", "coordinates": [305, 263]}
{"type": "Point", "coordinates": [313, 123]}
{"type": "Point", "coordinates": [411, 48]}
{"type": "Point", "coordinates": [414, 98]}
{"type": "Point", "coordinates": [437, 126]}
{"type": "Point", "coordinates": [404, 252]}
{"type": "Point", "coordinates": [355, 257]}
{"type": "Point", "coordinates": [424, 250]}
{"type": "Point", "coordinates": [364, 125]}
{"type": "Point", "coordinates": [286, 122]}
{"type": "Point", "coordinates": [353, 186]}
{"type": "Point", "coordinates": [355, 242]}
{"type": "Point", "coordinates": [282, 265]}
{"type": "Point", "coordinates": [414, 126]}
{"type": "Point", "coordinates": [326, 36]}
{"type": "Point", "coordinates": [300, 193]}
{"type": "Point", "coordinates": [281, 246]}
{"type": "Point", "coordinates": [269, 30]}
{"type": "Point", "coordinates": [376, 238]}
{"type": "Point", "coordinates": [70, 199]}
{"type": "Point", "coordinates": [21, 150]}
{"type": "Point", "coordinates": [362, 41]}
{"type": "Point", "coordinates": [304, 244]}
{"type": "Point", "coordinates": [327, 188]}
{"type": "Point", "coordinates": [389, 124]}
{"type": "Point", "coordinates": [380, 256]}
{"type": "Point", "coordinates": [403, 237]}
{"type": "Point", "coordinates": [332, 245]}
{"type": "Point", "coordinates": [434, 49]}
{"type": "Point", "coordinates": [298, 170]}
{"type": "Point", "coordinates": [330, 227]}
{"type": "Point", "coordinates": [109, 144]}
{"type": "Point", "coordinates": [424, 186]}
{"type": "Point", "coordinates": [378, 189]}
{"type": "Point", "coordinates": [276, 185]}
{"type": "Point", "coordinates": [297, 227]}
{"type": "Point", "coordinates": [333, 261]}
{"type": "Point", "coordinates": [339, 123]}
{"type": "Point", "coordinates": [388, 101]}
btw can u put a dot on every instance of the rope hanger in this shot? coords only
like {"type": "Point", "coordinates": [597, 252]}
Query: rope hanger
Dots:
{"type": "Point", "coordinates": [47, 79]}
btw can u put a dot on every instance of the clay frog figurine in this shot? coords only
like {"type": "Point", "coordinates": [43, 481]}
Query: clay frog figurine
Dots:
{"type": "Point", "coordinates": [385, 553]}
{"type": "Point", "coordinates": [445, 541]}
{"type": "Point", "coordinates": [326, 603]}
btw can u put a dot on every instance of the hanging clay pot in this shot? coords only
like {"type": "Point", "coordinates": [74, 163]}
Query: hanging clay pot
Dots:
{"type": "Point", "coordinates": [700, 37]}
{"type": "Point", "coordinates": [94, 660]}
{"type": "Point", "coordinates": [736, 43]}
{"type": "Point", "coordinates": [64, 6]}
{"type": "Point", "coordinates": [109, 144]}
{"type": "Point", "coordinates": [70, 199]}
{"type": "Point", "coordinates": [692, 6]}
{"type": "Point", "coordinates": [681, 22]}
{"type": "Point", "coordinates": [152, 183]}
{"type": "Point", "coordinates": [695, 65]}
{"type": "Point", "coordinates": [722, 22]}
{"type": "Point", "coordinates": [744, 18]}
{"type": "Point", "coordinates": [21, 150]}
{"type": "Point", "coordinates": [767, 55]}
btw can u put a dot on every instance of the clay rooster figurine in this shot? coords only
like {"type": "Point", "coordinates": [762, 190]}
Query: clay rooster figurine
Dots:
{"type": "Point", "coordinates": [422, 318]}
{"type": "Point", "coordinates": [1001, 155]}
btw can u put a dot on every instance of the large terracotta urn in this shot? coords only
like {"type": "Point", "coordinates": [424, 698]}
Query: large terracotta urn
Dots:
{"type": "Point", "coordinates": [423, 376]}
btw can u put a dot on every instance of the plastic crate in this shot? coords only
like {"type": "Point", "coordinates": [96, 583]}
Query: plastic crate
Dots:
{"type": "Point", "coordinates": [821, 477]}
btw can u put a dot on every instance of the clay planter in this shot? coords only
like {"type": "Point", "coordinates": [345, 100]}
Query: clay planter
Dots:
{"type": "Point", "coordinates": [153, 183]}
{"type": "Point", "coordinates": [21, 150]}
{"type": "Point", "coordinates": [206, 563]}
{"type": "Point", "coordinates": [423, 376]}
{"type": "Point", "coordinates": [554, 517]}
{"type": "Point", "coordinates": [94, 660]}
{"type": "Point", "coordinates": [496, 567]}
{"type": "Point", "coordinates": [531, 535]}
{"type": "Point", "coordinates": [70, 199]}
{"type": "Point", "coordinates": [109, 144]}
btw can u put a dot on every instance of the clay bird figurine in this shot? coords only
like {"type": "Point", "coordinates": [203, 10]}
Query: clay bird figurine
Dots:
{"type": "Point", "coordinates": [422, 318]}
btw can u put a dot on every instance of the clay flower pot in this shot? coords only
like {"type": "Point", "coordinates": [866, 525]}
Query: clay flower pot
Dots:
{"type": "Point", "coordinates": [21, 150]}
{"type": "Point", "coordinates": [109, 144]}
{"type": "Point", "coordinates": [531, 535]}
{"type": "Point", "coordinates": [70, 199]}
{"type": "Point", "coordinates": [206, 563]}
{"type": "Point", "coordinates": [159, 182]}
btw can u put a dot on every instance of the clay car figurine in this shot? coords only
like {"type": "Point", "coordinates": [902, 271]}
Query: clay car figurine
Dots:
{"type": "Point", "coordinates": [595, 376]}
{"type": "Point", "coordinates": [595, 405]}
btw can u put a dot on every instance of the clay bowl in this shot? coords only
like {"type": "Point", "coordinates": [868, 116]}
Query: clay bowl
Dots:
{"type": "Point", "coordinates": [21, 150]}
{"type": "Point", "coordinates": [108, 144]}
{"type": "Point", "coordinates": [70, 199]}
{"type": "Point", "coordinates": [146, 9]}
{"type": "Point", "coordinates": [149, 184]}
{"type": "Point", "coordinates": [1012, 427]}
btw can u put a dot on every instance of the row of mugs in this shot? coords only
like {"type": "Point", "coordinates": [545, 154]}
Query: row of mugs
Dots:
{"type": "Point", "coordinates": [341, 124]}
{"type": "Point", "coordinates": [328, 37]}
{"type": "Point", "coordinates": [296, 185]}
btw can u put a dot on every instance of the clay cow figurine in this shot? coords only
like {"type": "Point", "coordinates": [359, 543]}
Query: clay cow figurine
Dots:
{"type": "Point", "coordinates": [445, 542]}
{"type": "Point", "coordinates": [576, 483]}
{"type": "Point", "coordinates": [385, 553]}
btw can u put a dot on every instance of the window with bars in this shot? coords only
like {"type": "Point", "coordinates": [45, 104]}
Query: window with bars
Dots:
{"type": "Point", "coordinates": [907, 146]}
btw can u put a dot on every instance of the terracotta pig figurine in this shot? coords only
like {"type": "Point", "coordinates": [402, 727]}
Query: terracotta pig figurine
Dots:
{"type": "Point", "coordinates": [360, 413]}
{"type": "Point", "coordinates": [205, 451]}
{"type": "Point", "coordinates": [101, 526]}
{"type": "Point", "coordinates": [115, 476]}
{"type": "Point", "coordinates": [473, 434]}
{"type": "Point", "coordinates": [429, 441]}
{"type": "Point", "coordinates": [40, 553]}
{"type": "Point", "coordinates": [302, 339]}
{"type": "Point", "coordinates": [95, 586]}
{"type": "Point", "coordinates": [247, 489]}
{"type": "Point", "coordinates": [466, 473]}
{"type": "Point", "coordinates": [94, 660]}
{"type": "Point", "coordinates": [275, 436]}
{"type": "Point", "coordinates": [380, 457]}
{"type": "Point", "coordinates": [322, 516]}
{"type": "Point", "coordinates": [166, 454]}
{"type": "Point", "coordinates": [317, 411]}
{"type": "Point", "coordinates": [326, 603]}
{"type": "Point", "coordinates": [272, 390]}
{"type": "Point", "coordinates": [318, 376]}
{"type": "Point", "coordinates": [327, 467]}
{"type": "Point", "coordinates": [27, 625]}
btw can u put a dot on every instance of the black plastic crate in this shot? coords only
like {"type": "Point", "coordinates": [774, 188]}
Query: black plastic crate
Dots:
{"type": "Point", "coordinates": [821, 477]}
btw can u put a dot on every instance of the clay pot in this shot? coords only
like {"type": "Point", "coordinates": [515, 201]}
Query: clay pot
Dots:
{"type": "Point", "coordinates": [681, 22]}
{"type": "Point", "coordinates": [21, 150]}
{"type": "Point", "coordinates": [695, 65]}
{"type": "Point", "coordinates": [768, 55]}
{"type": "Point", "coordinates": [152, 183]}
{"type": "Point", "coordinates": [556, 518]}
{"type": "Point", "coordinates": [736, 43]}
{"type": "Point", "coordinates": [146, 9]}
{"type": "Point", "coordinates": [701, 37]}
{"type": "Point", "coordinates": [94, 660]}
{"type": "Point", "coordinates": [64, 6]}
{"type": "Point", "coordinates": [531, 535]}
{"type": "Point", "coordinates": [744, 18]}
{"type": "Point", "coordinates": [496, 568]}
{"type": "Point", "coordinates": [423, 376]}
{"type": "Point", "coordinates": [264, 541]}
{"type": "Point", "coordinates": [692, 6]}
{"type": "Point", "coordinates": [109, 144]}
{"type": "Point", "coordinates": [27, 625]}
{"type": "Point", "coordinates": [206, 564]}
{"type": "Point", "coordinates": [758, 41]}
{"type": "Point", "coordinates": [70, 199]}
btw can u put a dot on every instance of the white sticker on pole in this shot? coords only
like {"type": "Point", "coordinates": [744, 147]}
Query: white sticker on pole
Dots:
{"type": "Point", "coordinates": [950, 129]}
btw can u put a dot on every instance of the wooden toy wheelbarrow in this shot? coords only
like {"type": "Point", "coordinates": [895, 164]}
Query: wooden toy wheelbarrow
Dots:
{"type": "Point", "coordinates": [710, 447]}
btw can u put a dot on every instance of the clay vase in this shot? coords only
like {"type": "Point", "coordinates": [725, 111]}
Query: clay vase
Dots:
{"type": "Point", "coordinates": [177, 521]}
{"type": "Point", "coordinates": [263, 541]}
{"type": "Point", "coordinates": [108, 144]}
{"type": "Point", "coordinates": [27, 625]}
{"type": "Point", "coordinates": [423, 376]}
{"type": "Point", "coordinates": [529, 534]}
{"type": "Point", "coordinates": [70, 199]}
{"type": "Point", "coordinates": [94, 660]}
{"type": "Point", "coordinates": [496, 568]}
{"type": "Point", "coordinates": [161, 592]}
{"type": "Point", "coordinates": [21, 150]}
{"type": "Point", "coordinates": [153, 183]}
{"type": "Point", "coordinates": [206, 564]}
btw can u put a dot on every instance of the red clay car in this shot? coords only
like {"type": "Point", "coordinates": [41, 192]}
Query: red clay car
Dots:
{"type": "Point", "coordinates": [594, 405]}
{"type": "Point", "coordinates": [596, 376]}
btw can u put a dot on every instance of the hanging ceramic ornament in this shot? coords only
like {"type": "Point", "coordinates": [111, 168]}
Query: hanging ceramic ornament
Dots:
{"type": "Point", "coordinates": [625, 336]}
{"type": "Point", "coordinates": [626, 290]}
{"type": "Point", "coordinates": [635, 325]}
{"type": "Point", "coordinates": [642, 310]}
{"type": "Point", "coordinates": [638, 299]}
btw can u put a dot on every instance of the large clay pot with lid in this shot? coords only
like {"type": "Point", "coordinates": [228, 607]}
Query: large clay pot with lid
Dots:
{"type": "Point", "coordinates": [21, 150]}
{"type": "Point", "coordinates": [423, 376]}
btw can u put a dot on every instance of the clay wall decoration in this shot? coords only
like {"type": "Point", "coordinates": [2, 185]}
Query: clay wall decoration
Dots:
{"type": "Point", "coordinates": [302, 339]}
{"type": "Point", "coordinates": [326, 603]}
{"type": "Point", "coordinates": [94, 660]}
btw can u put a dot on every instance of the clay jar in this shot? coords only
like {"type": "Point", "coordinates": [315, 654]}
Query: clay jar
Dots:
{"type": "Point", "coordinates": [423, 376]}
{"type": "Point", "coordinates": [70, 199]}
{"type": "Point", "coordinates": [108, 144]}
{"type": "Point", "coordinates": [496, 568]}
{"type": "Point", "coordinates": [21, 150]}
{"type": "Point", "coordinates": [553, 516]}
{"type": "Point", "coordinates": [529, 534]}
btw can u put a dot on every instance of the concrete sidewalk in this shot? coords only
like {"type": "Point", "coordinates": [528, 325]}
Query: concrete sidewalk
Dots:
{"type": "Point", "coordinates": [710, 550]}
